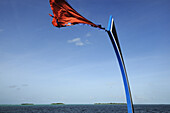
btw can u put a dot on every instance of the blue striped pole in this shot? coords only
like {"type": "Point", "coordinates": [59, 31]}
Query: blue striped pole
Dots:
{"type": "Point", "coordinates": [111, 30]}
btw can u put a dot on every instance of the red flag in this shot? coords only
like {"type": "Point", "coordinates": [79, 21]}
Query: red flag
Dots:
{"type": "Point", "coordinates": [65, 15]}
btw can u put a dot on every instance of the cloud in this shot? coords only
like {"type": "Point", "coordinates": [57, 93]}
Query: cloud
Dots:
{"type": "Point", "coordinates": [88, 35]}
{"type": "Point", "coordinates": [87, 42]}
{"type": "Point", "coordinates": [140, 98]}
{"type": "Point", "coordinates": [24, 85]}
{"type": "Point", "coordinates": [76, 41]}
{"type": "Point", "coordinates": [13, 86]}
{"type": "Point", "coordinates": [18, 87]}
{"type": "Point", "coordinates": [1, 30]}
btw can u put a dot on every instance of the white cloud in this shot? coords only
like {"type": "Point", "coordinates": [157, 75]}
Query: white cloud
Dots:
{"type": "Point", "coordinates": [13, 86]}
{"type": "Point", "coordinates": [76, 41]}
{"type": "Point", "coordinates": [1, 30]}
{"type": "Point", "coordinates": [79, 43]}
{"type": "Point", "coordinates": [24, 85]}
{"type": "Point", "coordinates": [88, 35]}
{"type": "Point", "coordinates": [87, 42]}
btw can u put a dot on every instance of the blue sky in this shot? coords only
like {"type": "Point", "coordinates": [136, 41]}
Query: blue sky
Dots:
{"type": "Point", "coordinates": [77, 65]}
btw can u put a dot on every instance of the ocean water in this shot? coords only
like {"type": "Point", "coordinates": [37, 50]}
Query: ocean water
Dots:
{"type": "Point", "coordinates": [83, 109]}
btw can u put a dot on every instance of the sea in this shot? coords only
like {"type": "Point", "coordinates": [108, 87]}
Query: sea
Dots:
{"type": "Point", "coordinates": [82, 109]}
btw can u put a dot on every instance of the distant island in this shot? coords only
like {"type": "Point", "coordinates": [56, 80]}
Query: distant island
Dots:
{"type": "Point", "coordinates": [27, 104]}
{"type": "Point", "coordinates": [110, 103]}
{"type": "Point", "coordinates": [57, 103]}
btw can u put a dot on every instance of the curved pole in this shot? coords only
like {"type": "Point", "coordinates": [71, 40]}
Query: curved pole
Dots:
{"type": "Point", "coordinates": [111, 30]}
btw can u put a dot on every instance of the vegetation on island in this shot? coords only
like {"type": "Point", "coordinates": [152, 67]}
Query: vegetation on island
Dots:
{"type": "Point", "coordinates": [27, 104]}
{"type": "Point", "coordinates": [110, 103]}
{"type": "Point", "coordinates": [57, 103]}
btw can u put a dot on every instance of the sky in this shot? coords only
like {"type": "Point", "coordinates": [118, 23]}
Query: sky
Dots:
{"type": "Point", "coordinates": [42, 64]}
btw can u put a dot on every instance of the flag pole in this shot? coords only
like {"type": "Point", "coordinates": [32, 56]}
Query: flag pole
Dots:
{"type": "Point", "coordinates": [111, 30]}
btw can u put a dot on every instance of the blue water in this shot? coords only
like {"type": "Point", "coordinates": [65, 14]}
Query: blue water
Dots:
{"type": "Point", "coordinates": [83, 109]}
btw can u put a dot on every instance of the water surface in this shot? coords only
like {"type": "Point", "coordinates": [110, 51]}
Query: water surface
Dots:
{"type": "Point", "coordinates": [83, 109]}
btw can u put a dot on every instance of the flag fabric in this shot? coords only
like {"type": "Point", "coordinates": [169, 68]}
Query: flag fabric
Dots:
{"type": "Point", "coordinates": [65, 15]}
